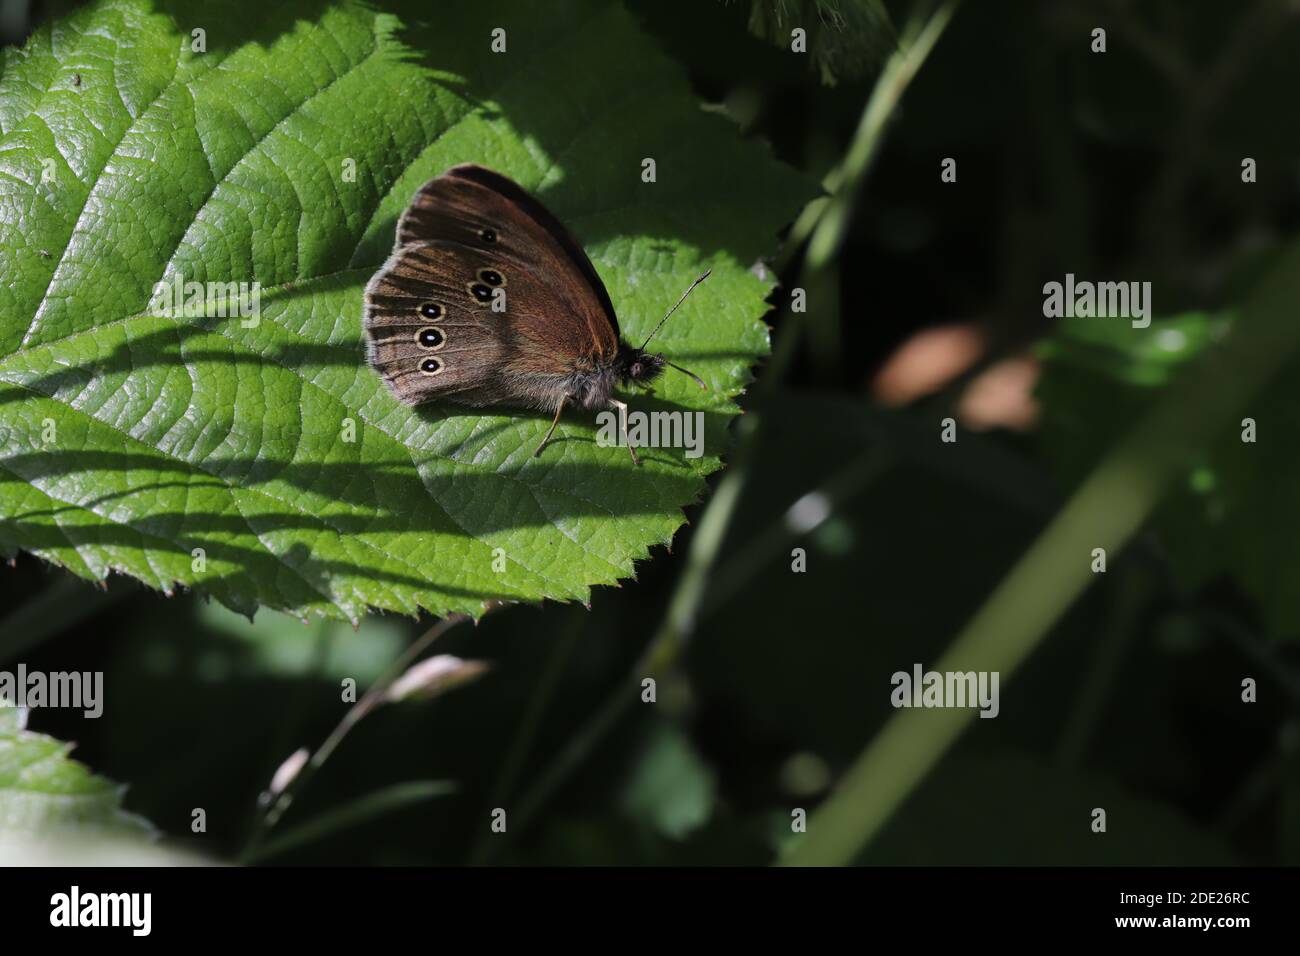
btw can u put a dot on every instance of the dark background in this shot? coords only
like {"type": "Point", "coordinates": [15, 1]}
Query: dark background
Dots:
{"type": "Point", "coordinates": [1121, 166]}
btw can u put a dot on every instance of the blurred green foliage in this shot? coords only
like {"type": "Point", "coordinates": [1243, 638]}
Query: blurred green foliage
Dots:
{"type": "Point", "coordinates": [1122, 166]}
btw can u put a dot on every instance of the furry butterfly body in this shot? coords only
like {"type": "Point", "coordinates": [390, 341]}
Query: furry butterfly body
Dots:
{"type": "Point", "coordinates": [488, 300]}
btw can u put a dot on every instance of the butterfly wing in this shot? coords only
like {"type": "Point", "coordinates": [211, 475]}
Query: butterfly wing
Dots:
{"type": "Point", "coordinates": [468, 201]}
{"type": "Point", "coordinates": [433, 331]}
{"type": "Point", "coordinates": [462, 228]}
{"type": "Point", "coordinates": [425, 334]}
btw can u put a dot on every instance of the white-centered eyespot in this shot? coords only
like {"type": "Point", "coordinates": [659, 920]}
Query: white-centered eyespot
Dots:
{"type": "Point", "coordinates": [431, 338]}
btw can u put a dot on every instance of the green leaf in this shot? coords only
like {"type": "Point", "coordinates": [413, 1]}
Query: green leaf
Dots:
{"type": "Point", "coordinates": [672, 788]}
{"type": "Point", "coordinates": [44, 793]}
{"type": "Point", "coordinates": [133, 440]}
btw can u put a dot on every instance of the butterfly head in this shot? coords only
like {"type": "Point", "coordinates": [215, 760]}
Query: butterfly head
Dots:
{"type": "Point", "coordinates": [637, 366]}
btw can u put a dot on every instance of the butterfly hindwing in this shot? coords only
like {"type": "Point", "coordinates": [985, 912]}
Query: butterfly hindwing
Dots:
{"type": "Point", "coordinates": [417, 292]}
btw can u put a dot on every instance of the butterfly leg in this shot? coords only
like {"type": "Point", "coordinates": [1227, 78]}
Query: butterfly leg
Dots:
{"type": "Point", "coordinates": [551, 431]}
{"type": "Point", "coordinates": [622, 427]}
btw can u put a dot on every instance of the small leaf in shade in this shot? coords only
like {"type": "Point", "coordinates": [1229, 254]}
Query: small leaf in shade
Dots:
{"type": "Point", "coordinates": [672, 788]}
{"type": "Point", "coordinates": [43, 792]}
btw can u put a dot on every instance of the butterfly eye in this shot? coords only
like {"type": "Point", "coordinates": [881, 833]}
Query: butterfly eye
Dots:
{"type": "Point", "coordinates": [429, 338]}
{"type": "Point", "coordinates": [481, 292]}
{"type": "Point", "coordinates": [431, 310]}
{"type": "Point", "coordinates": [430, 366]}
{"type": "Point", "coordinates": [488, 235]}
{"type": "Point", "coordinates": [491, 277]}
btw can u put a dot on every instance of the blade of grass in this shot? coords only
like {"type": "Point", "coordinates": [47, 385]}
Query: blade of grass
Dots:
{"type": "Point", "coordinates": [375, 804]}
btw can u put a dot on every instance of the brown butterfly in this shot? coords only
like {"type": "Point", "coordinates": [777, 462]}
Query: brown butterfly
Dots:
{"type": "Point", "coordinates": [488, 300]}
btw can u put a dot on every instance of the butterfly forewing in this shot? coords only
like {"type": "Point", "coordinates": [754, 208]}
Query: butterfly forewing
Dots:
{"type": "Point", "coordinates": [479, 207]}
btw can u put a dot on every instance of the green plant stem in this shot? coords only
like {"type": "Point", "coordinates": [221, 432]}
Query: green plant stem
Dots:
{"type": "Point", "coordinates": [281, 802]}
{"type": "Point", "coordinates": [1105, 512]}
{"type": "Point", "coordinates": [351, 814]}
{"type": "Point", "coordinates": [686, 608]}
{"type": "Point", "coordinates": [919, 38]}
{"type": "Point", "coordinates": [827, 225]}
{"type": "Point", "coordinates": [824, 223]}
{"type": "Point", "coordinates": [751, 557]}
{"type": "Point", "coordinates": [662, 651]}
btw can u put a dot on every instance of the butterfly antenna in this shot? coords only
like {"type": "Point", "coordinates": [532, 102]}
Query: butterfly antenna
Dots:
{"type": "Point", "coordinates": [685, 371]}
{"type": "Point", "coordinates": [674, 309]}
